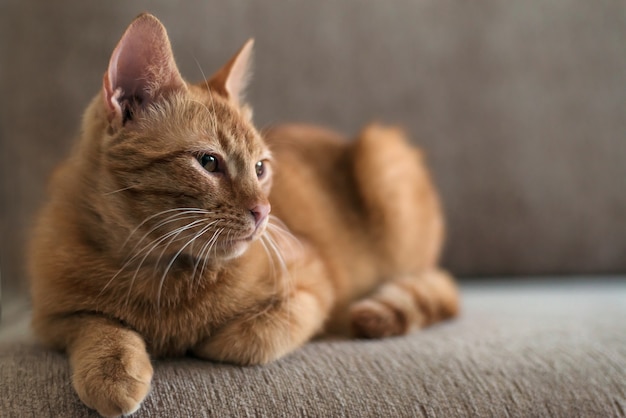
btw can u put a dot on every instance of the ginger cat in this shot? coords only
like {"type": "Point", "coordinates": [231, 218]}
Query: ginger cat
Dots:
{"type": "Point", "coordinates": [157, 239]}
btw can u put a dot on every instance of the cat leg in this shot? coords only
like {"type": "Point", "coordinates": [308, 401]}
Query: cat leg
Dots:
{"type": "Point", "coordinates": [111, 370]}
{"type": "Point", "coordinates": [278, 328]}
{"type": "Point", "coordinates": [404, 215]}
{"type": "Point", "coordinates": [405, 304]}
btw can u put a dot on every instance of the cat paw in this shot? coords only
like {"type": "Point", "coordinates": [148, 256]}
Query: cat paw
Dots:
{"type": "Point", "coordinates": [373, 319]}
{"type": "Point", "coordinates": [114, 385]}
{"type": "Point", "coordinates": [267, 336]}
{"type": "Point", "coordinates": [241, 346]}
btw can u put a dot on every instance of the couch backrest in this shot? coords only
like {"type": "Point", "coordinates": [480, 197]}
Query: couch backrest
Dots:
{"type": "Point", "coordinates": [520, 106]}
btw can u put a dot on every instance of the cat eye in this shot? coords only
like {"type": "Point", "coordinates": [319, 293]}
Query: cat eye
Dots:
{"type": "Point", "coordinates": [260, 169]}
{"type": "Point", "coordinates": [209, 163]}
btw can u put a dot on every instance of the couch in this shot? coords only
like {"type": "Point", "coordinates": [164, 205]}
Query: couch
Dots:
{"type": "Point", "coordinates": [520, 108]}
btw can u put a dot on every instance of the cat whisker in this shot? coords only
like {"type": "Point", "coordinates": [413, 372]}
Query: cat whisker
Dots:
{"type": "Point", "coordinates": [276, 224]}
{"type": "Point", "coordinates": [171, 219]}
{"type": "Point", "coordinates": [171, 263]}
{"type": "Point", "coordinates": [126, 264]}
{"type": "Point", "coordinates": [129, 261]}
{"type": "Point", "coordinates": [172, 237]}
{"type": "Point", "coordinates": [152, 246]}
{"type": "Point", "coordinates": [286, 281]}
{"type": "Point", "coordinates": [201, 253]}
{"type": "Point", "coordinates": [155, 244]}
{"type": "Point", "coordinates": [134, 255]}
{"type": "Point", "coordinates": [272, 252]}
{"type": "Point", "coordinates": [285, 275]}
{"type": "Point", "coordinates": [277, 229]}
{"type": "Point", "coordinates": [175, 238]}
{"type": "Point", "coordinates": [270, 258]}
{"type": "Point", "coordinates": [272, 273]}
{"type": "Point", "coordinates": [285, 238]}
{"type": "Point", "coordinates": [149, 218]}
{"type": "Point", "coordinates": [204, 253]}
{"type": "Point", "coordinates": [212, 243]}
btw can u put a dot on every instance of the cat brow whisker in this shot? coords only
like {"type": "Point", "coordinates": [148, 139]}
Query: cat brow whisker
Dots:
{"type": "Point", "coordinates": [210, 114]}
{"type": "Point", "coordinates": [119, 190]}
{"type": "Point", "coordinates": [212, 107]}
{"type": "Point", "coordinates": [208, 88]}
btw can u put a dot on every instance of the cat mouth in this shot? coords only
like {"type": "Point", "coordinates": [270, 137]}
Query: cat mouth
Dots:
{"type": "Point", "coordinates": [234, 247]}
{"type": "Point", "coordinates": [246, 239]}
{"type": "Point", "coordinates": [235, 241]}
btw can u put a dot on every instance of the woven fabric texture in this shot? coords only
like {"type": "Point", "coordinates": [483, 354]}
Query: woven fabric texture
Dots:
{"type": "Point", "coordinates": [518, 351]}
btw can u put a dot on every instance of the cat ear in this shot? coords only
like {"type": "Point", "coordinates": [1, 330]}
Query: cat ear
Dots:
{"type": "Point", "coordinates": [141, 68]}
{"type": "Point", "coordinates": [232, 79]}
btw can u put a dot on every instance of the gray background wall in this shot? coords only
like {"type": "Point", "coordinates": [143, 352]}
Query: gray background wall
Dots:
{"type": "Point", "coordinates": [520, 106]}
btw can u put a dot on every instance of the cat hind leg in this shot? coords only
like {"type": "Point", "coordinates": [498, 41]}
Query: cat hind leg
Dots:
{"type": "Point", "coordinates": [405, 304]}
{"type": "Point", "coordinates": [400, 201]}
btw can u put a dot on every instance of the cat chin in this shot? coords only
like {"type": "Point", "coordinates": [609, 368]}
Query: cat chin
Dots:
{"type": "Point", "coordinates": [238, 247]}
{"type": "Point", "coordinates": [235, 249]}
{"type": "Point", "coordinates": [238, 250]}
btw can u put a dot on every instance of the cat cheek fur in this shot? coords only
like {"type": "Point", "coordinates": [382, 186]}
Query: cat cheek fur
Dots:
{"type": "Point", "coordinates": [137, 254]}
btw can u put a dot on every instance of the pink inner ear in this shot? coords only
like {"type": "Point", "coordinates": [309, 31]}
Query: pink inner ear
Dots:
{"type": "Point", "coordinates": [128, 69]}
{"type": "Point", "coordinates": [141, 66]}
{"type": "Point", "coordinates": [239, 75]}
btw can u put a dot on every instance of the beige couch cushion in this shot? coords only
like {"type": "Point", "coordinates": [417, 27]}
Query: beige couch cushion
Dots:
{"type": "Point", "coordinates": [539, 349]}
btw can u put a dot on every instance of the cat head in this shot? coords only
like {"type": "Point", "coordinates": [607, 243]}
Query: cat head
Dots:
{"type": "Point", "coordinates": [183, 168]}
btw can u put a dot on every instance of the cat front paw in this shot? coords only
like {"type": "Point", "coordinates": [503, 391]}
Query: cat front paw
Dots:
{"type": "Point", "coordinates": [241, 346]}
{"type": "Point", "coordinates": [267, 336]}
{"type": "Point", "coordinates": [114, 385]}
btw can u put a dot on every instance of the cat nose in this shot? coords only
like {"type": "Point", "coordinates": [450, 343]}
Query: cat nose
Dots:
{"type": "Point", "coordinates": [260, 212]}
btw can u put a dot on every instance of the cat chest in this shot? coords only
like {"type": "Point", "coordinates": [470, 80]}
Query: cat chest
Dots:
{"type": "Point", "coordinates": [173, 332]}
